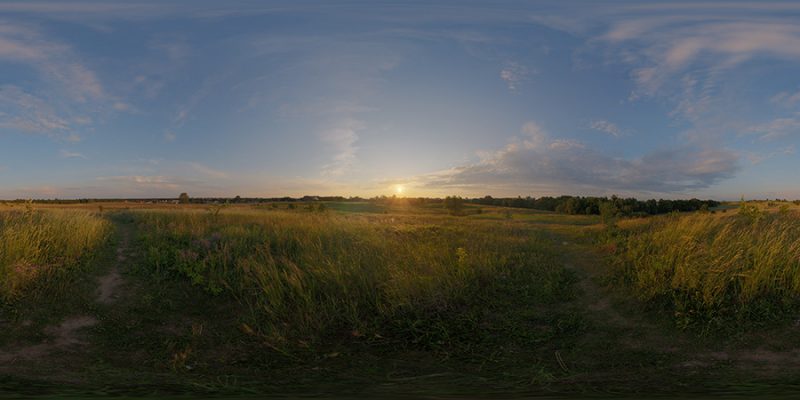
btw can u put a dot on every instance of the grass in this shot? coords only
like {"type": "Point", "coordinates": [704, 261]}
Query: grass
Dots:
{"type": "Point", "coordinates": [309, 279]}
{"type": "Point", "coordinates": [714, 270]}
{"type": "Point", "coordinates": [264, 299]}
{"type": "Point", "coordinates": [39, 246]}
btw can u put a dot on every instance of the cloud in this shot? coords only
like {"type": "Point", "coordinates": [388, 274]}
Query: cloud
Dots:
{"type": "Point", "coordinates": [536, 163]}
{"type": "Point", "coordinates": [29, 113]}
{"type": "Point", "coordinates": [786, 99]}
{"type": "Point", "coordinates": [82, 8]}
{"type": "Point", "coordinates": [207, 171]}
{"type": "Point", "coordinates": [63, 91]}
{"type": "Point", "coordinates": [670, 44]}
{"type": "Point", "coordinates": [121, 106]}
{"type": "Point", "coordinates": [149, 181]}
{"type": "Point", "coordinates": [170, 136]}
{"type": "Point", "coordinates": [71, 154]}
{"type": "Point", "coordinates": [757, 158]}
{"type": "Point", "coordinates": [514, 74]}
{"type": "Point", "coordinates": [777, 128]}
{"type": "Point", "coordinates": [686, 53]}
{"type": "Point", "coordinates": [55, 61]}
{"type": "Point", "coordinates": [607, 127]}
{"type": "Point", "coordinates": [342, 139]}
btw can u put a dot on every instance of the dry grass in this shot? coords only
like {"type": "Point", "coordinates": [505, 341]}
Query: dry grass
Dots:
{"type": "Point", "coordinates": [36, 245]}
{"type": "Point", "coordinates": [710, 267]}
{"type": "Point", "coordinates": [310, 276]}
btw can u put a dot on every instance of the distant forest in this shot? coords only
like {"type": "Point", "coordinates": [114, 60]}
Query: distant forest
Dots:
{"type": "Point", "coordinates": [562, 204]}
{"type": "Point", "coordinates": [599, 205]}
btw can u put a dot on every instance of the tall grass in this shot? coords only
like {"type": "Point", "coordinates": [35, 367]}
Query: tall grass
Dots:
{"type": "Point", "coordinates": [709, 269]}
{"type": "Point", "coordinates": [313, 277]}
{"type": "Point", "coordinates": [38, 245]}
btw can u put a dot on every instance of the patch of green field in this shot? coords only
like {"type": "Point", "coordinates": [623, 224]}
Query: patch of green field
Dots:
{"type": "Point", "coordinates": [356, 207]}
{"type": "Point", "coordinates": [540, 217]}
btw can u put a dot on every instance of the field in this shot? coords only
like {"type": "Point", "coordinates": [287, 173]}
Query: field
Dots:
{"type": "Point", "coordinates": [361, 298]}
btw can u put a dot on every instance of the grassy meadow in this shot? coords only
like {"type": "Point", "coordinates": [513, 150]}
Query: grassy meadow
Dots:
{"type": "Point", "coordinates": [307, 278]}
{"type": "Point", "coordinates": [391, 298]}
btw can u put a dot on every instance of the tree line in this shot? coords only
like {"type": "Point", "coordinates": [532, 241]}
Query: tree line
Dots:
{"type": "Point", "coordinates": [578, 205]}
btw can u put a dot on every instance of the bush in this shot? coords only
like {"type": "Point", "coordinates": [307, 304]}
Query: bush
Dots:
{"type": "Point", "coordinates": [454, 204]}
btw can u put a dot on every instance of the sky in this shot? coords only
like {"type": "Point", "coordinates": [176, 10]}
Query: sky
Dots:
{"type": "Point", "coordinates": [154, 98]}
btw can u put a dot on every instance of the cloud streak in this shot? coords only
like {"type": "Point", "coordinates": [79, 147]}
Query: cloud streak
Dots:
{"type": "Point", "coordinates": [607, 127]}
{"type": "Point", "coordinates": [64, 91]}
{"type": "Point", "coordinates": [71, 154]}
{"type": "Point", "coordinates": [515, 74]}
{"type": "Point", "coordinates": [341, 139]}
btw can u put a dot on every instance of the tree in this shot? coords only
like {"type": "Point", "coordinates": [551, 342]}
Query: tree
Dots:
{"type": "Point", "coordinates": [608, 211]}
{"type": "Point", "coordinates": [183, 198]}
{"type": "Point", "coordinates": [454, 204]}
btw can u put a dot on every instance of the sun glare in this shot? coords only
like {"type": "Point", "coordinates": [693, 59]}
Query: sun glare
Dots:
{"type": "Point", "coordinates": [399, 189]}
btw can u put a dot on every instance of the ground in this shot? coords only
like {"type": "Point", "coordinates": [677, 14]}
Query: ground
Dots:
{"type": "Point", "coordinates": [114, 330]}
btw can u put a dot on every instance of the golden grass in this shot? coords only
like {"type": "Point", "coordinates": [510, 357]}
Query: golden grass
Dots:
{"type": "Point", "coordinates": [712, 265]}
{"type": "Point", "coordinates": [35, 245]}
{"type": "Point", "coordinates": [309, 274]}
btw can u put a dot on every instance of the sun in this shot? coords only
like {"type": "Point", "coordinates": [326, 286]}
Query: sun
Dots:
{"type": "Point", "coordinates": [399, 189]}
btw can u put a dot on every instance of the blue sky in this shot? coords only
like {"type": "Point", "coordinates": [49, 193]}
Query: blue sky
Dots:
{"type": "Point", "coordinates": [647, 99]}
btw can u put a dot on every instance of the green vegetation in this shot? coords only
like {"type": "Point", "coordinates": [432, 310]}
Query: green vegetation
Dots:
{"type": "Point", "coordinates": [314, 278]}
{"type": "Point", "coordinates": [606, 206]}
{"type": "Point", "coordinates": [396, 297]}
{"type": "Point", "coordinates": [714, 270]}
{"type": "Point", "coordinates": [37, 246]}
{"type": "Point", "coordinates": [454, 204]}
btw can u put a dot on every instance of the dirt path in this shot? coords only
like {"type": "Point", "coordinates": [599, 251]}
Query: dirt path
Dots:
{"type": "Point", "coordinates": [625, 331]}
{"type": "Point", "coordinates": [110, 284]}
{"type": "Point", "coordinates": [590, 268]}
{"type": "Point", "coordinates": [70, 334]}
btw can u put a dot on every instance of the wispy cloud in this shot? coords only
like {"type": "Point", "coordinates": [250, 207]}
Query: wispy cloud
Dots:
{"type": "Point", "coordinates": [55, 61]}
{"type": "Point", "coordinates": [64, 91]}
{"type": "Point", "coordinates": [71, 154]}
{"type": "Point", "coordinates": [515, 74]}
{"type": "Point", "coordinates": [671, 44]}
{"type": "Point", "coordinates": [170, 136]}
{"type": "Point", "coordinates": [777, 128]}
{"type": "Point", "coordinates": [341, 139]}
{"type": "Point", "coordinates": [607, 127]}
{"type": "Point", "coordinates": [150, 181]}
{"type": "Point", "coordinates": [207, 171]}
{"type": "Point", "coordinates": [122, 106]}
{"type": "Point", "coordinates": [757, 158]}
{"type": "Point", "coordinates": [27, 112]}
{"type": "Point", "coordinates": [786, 99]}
